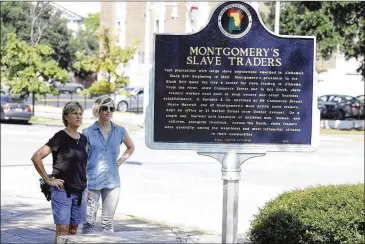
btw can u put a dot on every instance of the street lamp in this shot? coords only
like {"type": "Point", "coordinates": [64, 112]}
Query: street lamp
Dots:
{"type": "Point", "coordinates": [159, 26]}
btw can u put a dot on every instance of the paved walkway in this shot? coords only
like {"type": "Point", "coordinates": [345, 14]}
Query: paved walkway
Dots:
{"type": "Point", "coordinates": [25, 220]}
{"type": "Point", "coordinates": [29, 220]}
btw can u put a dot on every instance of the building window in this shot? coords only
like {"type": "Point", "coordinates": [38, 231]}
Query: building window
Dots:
{"type": "Point", "coordinates": [157, 26]}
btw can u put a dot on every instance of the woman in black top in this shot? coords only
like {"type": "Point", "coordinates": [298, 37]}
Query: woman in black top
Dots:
{"type": "Point", "coordinates": [68, 181]}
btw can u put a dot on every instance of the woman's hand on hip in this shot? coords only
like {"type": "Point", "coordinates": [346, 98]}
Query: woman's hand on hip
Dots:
{"type": "Point", "coordinates": [120, 161]}
{"type": "Point", "coordinates": [58, 183]}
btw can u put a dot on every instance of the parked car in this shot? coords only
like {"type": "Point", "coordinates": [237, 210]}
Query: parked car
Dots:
{"type": "Point", "coordinates": [328, 110]}
{"type": "Point", "coordinates": [129, 99]}
{"type": "Point", "coordinates": [2, 113]}
{"type": "Point", "coordinates": [362, 106]}
{"type": "Point", "coordinates": [14, 108]}
{"type": "Point", "coordinates": [68, 87]}
{"type": "Point", "coordinates": [345, 106]}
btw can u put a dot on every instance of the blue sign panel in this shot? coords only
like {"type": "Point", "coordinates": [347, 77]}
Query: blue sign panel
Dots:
{"type": "Point", "coordinates": [233, 82]}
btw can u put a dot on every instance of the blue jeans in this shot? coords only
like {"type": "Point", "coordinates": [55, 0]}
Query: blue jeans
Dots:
{"type": "Point", "coordinates": [65, 209]}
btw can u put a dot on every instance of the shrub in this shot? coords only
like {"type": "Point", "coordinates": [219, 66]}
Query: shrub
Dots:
{"type": "Point", "coordinates": [325, 214]}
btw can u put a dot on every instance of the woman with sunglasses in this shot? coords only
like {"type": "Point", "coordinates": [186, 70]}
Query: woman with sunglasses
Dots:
{"type": "Point", "coordinates": [104, 141]}
{"type": "Point", "coordinates": [68, 179]}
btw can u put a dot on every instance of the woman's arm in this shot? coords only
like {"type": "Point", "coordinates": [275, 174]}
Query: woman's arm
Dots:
{"type": "Point", "coordinates": [37, 160]}
{"type": "Point", "coordinates": [128, 152]}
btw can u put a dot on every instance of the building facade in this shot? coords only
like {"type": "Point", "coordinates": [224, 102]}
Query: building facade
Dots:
{"type": "Point", "coordinates": [74, 21]}
{"type": "Point", "coordinates": [339, 76]}
{"type": "Point", "coordinates": [128, 20]}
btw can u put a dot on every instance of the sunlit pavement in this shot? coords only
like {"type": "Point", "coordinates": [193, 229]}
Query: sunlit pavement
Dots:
{"type": "Point", "coordinates": [183, 188]}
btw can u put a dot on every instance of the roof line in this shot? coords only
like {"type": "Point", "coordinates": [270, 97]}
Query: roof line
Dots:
{"type": "Point", "coordinates": [66, 10]}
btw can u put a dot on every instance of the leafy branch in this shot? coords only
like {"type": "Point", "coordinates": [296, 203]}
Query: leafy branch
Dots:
{"type": "Point", "coordinates": [108, 64]}
{"type": "Point", "coordinates": [27, 69]}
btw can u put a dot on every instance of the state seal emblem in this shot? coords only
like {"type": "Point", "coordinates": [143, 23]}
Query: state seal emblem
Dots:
{"type": "Point", "coordinates": [234, 20]}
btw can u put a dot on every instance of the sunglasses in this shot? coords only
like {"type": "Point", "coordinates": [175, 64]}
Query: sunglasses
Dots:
{"type": "Point", "coordinates": [105, 108]}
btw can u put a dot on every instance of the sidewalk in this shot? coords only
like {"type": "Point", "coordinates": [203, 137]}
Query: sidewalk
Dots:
{"type": "Point", "coordinates": [29, 220]}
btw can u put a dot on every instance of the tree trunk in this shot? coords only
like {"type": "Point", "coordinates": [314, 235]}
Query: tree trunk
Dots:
{"type": "Point", "coordinates": [35, 17]}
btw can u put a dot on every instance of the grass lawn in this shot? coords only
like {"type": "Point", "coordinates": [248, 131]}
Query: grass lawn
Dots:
{"type": "Point", "coordinates": [341, 132]}
{"type": "Point", "coordinates": [45, 121]}
{"type": "Point", "coordinates": [57, 122]}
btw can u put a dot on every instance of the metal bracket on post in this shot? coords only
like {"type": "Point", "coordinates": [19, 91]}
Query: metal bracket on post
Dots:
{"type": "Point", "coordinates": [231, 174]}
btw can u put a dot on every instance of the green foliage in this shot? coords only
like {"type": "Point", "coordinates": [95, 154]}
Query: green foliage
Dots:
{"type": "Point", "coordinates": [39, 17]}
{"type": "Point", "coordinates": [335, 25]}
{"type": "Point", "coordinates": [37, 23]}
{"type": "Point", "coordinates": [325, 214]}
{"type": "Point", "coordinates": [305, 19]}
{"type": "Point", "coordinates": [269, 17]}
{"type": "Point", "coordinates": [14, 18]}
{"type": "Point", "coordinates": [100, 87]}
{"type": "Point", "coordinates": [27, 69]}
{"type": "Point", "coordinates": [92, 23]}
{"type": "Point", "coordinates": [57, 36]}
{"type": "Point", "coordinates": [85, 42]}
{"type": "Point", "coordinates": [106, 64]}
{"type": "Point", "coordinates": [349, 18]}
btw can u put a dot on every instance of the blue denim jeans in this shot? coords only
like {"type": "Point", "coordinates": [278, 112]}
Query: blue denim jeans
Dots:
{"type": "Point", "coordinates": [65, 209]}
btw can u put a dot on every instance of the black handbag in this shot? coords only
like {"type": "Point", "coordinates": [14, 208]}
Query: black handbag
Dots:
{"type": "Point", "coordinates": [45, 188]}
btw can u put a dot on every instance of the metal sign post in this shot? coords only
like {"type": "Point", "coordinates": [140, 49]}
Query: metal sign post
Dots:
{"type": "Point", "coordinates": [231, 170]}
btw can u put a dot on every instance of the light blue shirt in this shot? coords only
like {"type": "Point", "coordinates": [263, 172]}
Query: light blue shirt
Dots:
{"type": "Point", "coordinates": [101, 169]}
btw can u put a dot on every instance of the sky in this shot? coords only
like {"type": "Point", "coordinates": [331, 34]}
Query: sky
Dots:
{"type": "Point", "coordinates": [81, 8]}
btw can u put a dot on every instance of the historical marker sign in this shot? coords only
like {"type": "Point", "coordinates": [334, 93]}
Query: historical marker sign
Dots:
{"type": "Point", "coordinates": [233, 85]}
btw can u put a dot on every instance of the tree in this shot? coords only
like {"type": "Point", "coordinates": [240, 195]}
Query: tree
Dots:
{"type": "Point", "coordinates": [27, 69]}
{"type": "Point", "coordinates": [40, 14]}
{"type": "Point", "coordinates": [14, 19]}
{"type": "Point", "coordinates": [57, 36]}
{"type": "Point", "coordinates": [85, 41]}
{"type": "Point", "coordinates": [349, 19]}
{"type": "Point", "coordinates": [92, 23]}
{"type": "Point", "coordinates": [37, 23]}
{"type": "Point", "coordinates": [337, 26]}
{"type": "Point", "coordinates": [268, 17]}
{"type": "Point", "coordinates": [107, 64]}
